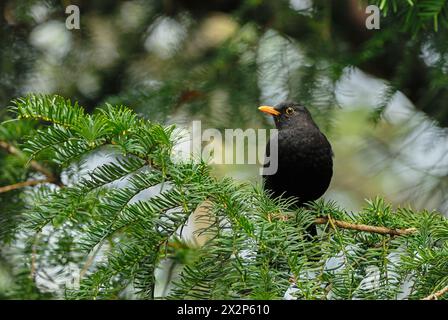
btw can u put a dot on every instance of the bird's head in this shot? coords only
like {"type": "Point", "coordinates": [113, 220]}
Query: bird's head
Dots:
{"type": "Point", "coordinates": [289, 115]}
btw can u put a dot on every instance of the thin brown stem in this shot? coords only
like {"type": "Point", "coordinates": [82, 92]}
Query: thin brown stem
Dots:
{"type": "Point", "coordinates": [364, 227]}
{"type": "Point", "coordinates": [437, 295]}
{"type": "Point", "coordinates": [36, 166]}
{"type": "Point", "coordinates": [22, 185]}
{"type": "Point", "coordinates": [89, 261]}
{"type": "Point", "coordinates": [33, 256]}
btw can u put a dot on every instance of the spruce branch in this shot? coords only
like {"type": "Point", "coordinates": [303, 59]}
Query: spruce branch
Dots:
{"type": "Point", "coordinates": [252, 244]}
{"type": "Point", "coordinates": [36, 166]}
{"type": "Point", "coordinates": [364, 227]}
{"type": "Point", "coordinates": [23, 184]}
{"type": "Point", "coordinates": [33, 256]}
{"type": "Point", "coordinates": [436, 295]}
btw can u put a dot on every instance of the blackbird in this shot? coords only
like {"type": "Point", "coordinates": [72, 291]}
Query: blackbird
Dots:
{"type": "Point", "coordinates": [305, 157]}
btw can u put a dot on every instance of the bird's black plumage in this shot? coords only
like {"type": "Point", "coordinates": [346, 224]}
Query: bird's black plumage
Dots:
{"type": "Point", "coordinates": [305, 157]}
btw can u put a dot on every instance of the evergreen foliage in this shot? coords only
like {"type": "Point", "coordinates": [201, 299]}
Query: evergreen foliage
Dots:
{"type": "Point", "coordinates": [253, 246]}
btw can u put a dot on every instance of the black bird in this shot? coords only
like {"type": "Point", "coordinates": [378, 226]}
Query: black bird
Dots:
{"type": "Point", "coordinates": [305, 157]}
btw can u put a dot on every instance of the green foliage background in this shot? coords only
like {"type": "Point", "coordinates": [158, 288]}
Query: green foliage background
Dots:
{"type": "Point", "coordinates": [254, 247]}
{"type": "Point", "coordinates": [173, 61]}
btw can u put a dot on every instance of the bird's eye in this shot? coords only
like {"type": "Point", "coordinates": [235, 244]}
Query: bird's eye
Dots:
{"type": "Point", "coordinates": [289, 110]}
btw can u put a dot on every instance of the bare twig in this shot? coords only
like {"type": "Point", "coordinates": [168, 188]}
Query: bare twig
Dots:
{"type": "Point", "coordinates": [33, 256]}
{"type": "Point", "coordinates": [364, 227]}
{"type": "Point", "coordinates": [36, 166]}
{"type": "Point", "coordinates": [437, 295]}
{"type": "Point", "coordinates": [22, 185]}
{"type": "Point", "coordinates": [90, 261]}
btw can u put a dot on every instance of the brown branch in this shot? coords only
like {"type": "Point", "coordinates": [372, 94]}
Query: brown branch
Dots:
{"type": "Point", "coordinates": [437, 295]}
{"type": "Point", "coordinates": [22, 184]}
{"type": "Point", "coordinates": [36, 166]}
{"type": "Point", "coordinates": [33, 256]}
{"type": "Point", "coordinates": [365, 227]}
{"type": "Point", "coordinates": [89, 261]}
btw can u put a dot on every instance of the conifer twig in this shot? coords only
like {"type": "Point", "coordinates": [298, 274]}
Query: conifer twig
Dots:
{"type": "Point", "coordinates": [33, 256]}
{"type": "Point", "coordinates": [36, 166]}
{"type": "Point", "coordinates": [436, 295]}
{"type": "Point", "coordinates": [22, 184]}
{"type": "Point", "coordinates": [89, 261]}
{"type": "Point", "coordinates": [365, 227]}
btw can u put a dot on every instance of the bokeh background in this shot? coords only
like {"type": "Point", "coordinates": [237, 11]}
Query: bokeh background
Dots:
{"type": "Point", "coordinates": [379, 95]}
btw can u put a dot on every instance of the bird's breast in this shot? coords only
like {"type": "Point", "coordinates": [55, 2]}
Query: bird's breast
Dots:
{"type": "Point", "coordinates": [305, 165]}
{"type": "Point", "coordinates": [311, 150]}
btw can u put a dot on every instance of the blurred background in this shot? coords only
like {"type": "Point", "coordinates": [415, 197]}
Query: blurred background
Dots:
{"type": "Point", "coordinates": [379, 95]}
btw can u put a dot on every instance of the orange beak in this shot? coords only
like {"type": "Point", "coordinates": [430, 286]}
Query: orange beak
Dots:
{"type": "Point", "coordinates": [269, 110]}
